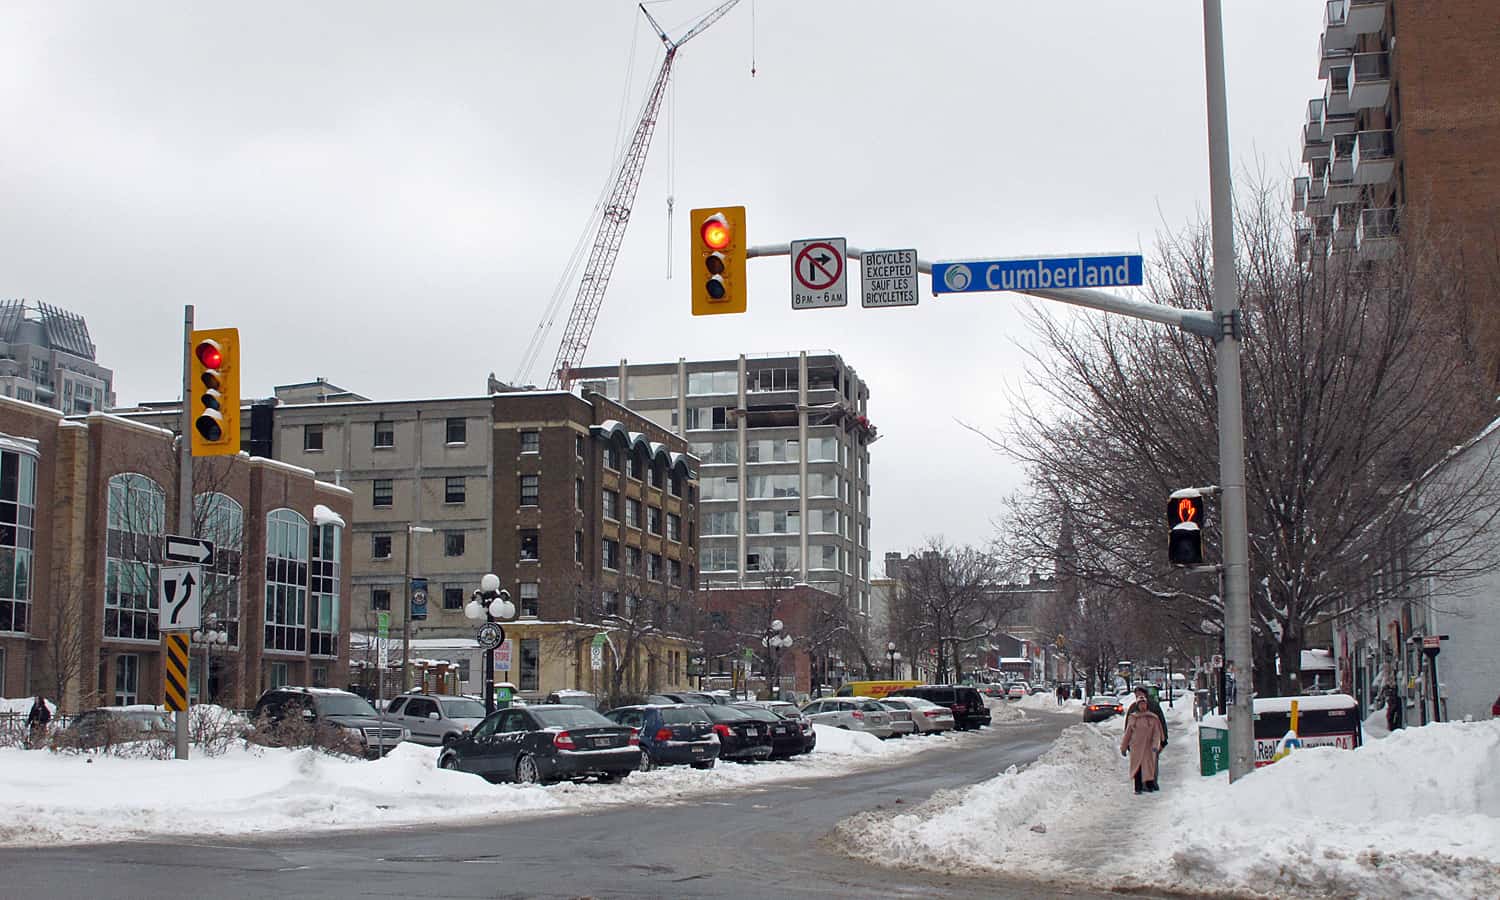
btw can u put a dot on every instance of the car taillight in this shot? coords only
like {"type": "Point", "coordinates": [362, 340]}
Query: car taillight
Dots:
{"type": "Point", "coordinates": [664, 734]}
{"type": "Point", "coordinates": [932, 713]}
{"type": "Point", "coordinates": [858, 714]}
{"type": "Point", "coordinates": [563, 741]}
{"type": "Point", "coordinates": [722, 731]}
{"type": "Point", "coordinates": [635, 737]}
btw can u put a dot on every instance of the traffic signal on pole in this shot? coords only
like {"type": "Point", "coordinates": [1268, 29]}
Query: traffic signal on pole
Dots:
{"type": "Point", "coordinates": [718, 260]}
{"type": "Point", "coordinates": [214, 391]}
{"type": "Point", "coordinates": [1185, 518]}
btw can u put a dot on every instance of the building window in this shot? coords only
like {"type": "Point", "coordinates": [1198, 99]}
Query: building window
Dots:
{"type": "Point", "coordinates": [727, 488]}
{"type": "Point", "coordinates": [457, 431]}
{"type": "Point", "coordinates": [578, 494]}
{"type": "Point", "coordinates": [708, 418]}
{"type": "Point", "coordinates": [380, 545]}
{"type": "Point", "coordinates": [453, 597]}
{"type": "Point", "coordinates": [653, 567]}
{"type": "Point", "coordinates": [530, 546]}
{"type": "Point", "coordinates": [382, 492]}
{"type": "Point", "coordinates": [674, 485]}
{"type": "Point", "coordinates": [137, 516]}
{"type": "Point", "coordinates": [531, 442]}
{"type": "Point", "coordinates": [286, 581]}
{"type": "Point", "coordinates": [312, 438]}
{"type": "Point", "coordinates": [612, 505]}
{"type": "Point", "coordinates": [380, 598]}
{"type": "Point", "coordinates": [455, 489]}
{"type": "Point", "coordinates": [127, 679]}
{"type": "Point", "coordinates": [633, 559]}
{"type": "Point", "coordinates": [578, 546]}
{"type": "Point", "coordinates": [713, 382]}
{"type": "Point", "coordinates": [636, 465]}
{"type": "Point", "coordinates": [17, 518]}
{"type": "Point", "coordinates": [530, 598]}
{"type": "Point", "coordinates": [223, 522]}
{"type": "Point", "coordinates": [530, 484]}
{"type": "Point", "coordinates": [453, 543]}
{"type": "Point", "coordinates": [653, 520]}
{"type": "Point", "coordinates": [280, 675]}
{"type": "Point", "coordinates": [324, 586]}
{"type": "Point", "coordinates": [578, 445]}
{"type": "Point", "coordinates": [675, 568]}
{"type": "Point", "coordinates": [674, 527]}
{"type": "Point", "coordinates": [611, 554]}
{"type": "Point", "coordinates": [718, 559]}
{"type": "Point", "coordinates": [530, 663]}
{"type": "Point", "coordinates": [633, 513]}
{"type": "Point", "coordinates": [385, 434]}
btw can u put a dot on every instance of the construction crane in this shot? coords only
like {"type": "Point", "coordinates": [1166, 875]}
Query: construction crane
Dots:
{"type": "Point", "coordinates": [616, 215]}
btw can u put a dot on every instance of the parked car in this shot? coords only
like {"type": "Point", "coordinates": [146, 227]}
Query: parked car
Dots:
{"type": "Point", "coordinates": [928, 716]}
{"type": "Point", "coordinates": [434, 719]}
{"type": "Point", "coordinates": [1100, 708]}
{"type": "Point", "coordinates": [573, 698]}
{"type": "Point", "coordinates": [670, 735]}
{"type": "Point", "coordinates": [699, 698]}
{"type": "Point", "coordinates": [791, 713]}
{"type": "Point", "coordinates": [1042, 689]}
{"type": "Point", "coordinates": [109, 725]}
{"type": "Point", "coordinates": [545, 743]}
{"type": "Point", "coordinates": [901, 719]}
{"type": "Point", "coordinates": [350, 713]}
{"type": "Point", "coordinates": [851, 714]}
{"type": "Point", "coordinates": [741, 737]}
{"type": "Point", "coordinates": [967, 706]}
{"type": "Point", "coordinates": [1016, 690]}
{"type": "Point", "coordinates": [786, 734]}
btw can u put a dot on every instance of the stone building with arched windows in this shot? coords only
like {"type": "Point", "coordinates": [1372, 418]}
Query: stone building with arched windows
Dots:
{"type": "Point", "coordinates": [85, 505]}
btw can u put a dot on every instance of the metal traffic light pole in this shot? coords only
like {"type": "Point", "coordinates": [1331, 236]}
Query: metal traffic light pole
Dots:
{"type": "Point", "coordinates": [185, 493]}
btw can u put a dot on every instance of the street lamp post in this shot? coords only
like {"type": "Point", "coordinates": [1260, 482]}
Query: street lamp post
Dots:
{"type": "Point", "coordinates": [893, 656]}
{"type": "Point", "coordinates": [490, 604]}
{"type": "Point", "coordinates": [210, 634]}
{"type": "Point", "coordinates": [406, 620]}
{"type": "Point", "coordinates": [776, 640]}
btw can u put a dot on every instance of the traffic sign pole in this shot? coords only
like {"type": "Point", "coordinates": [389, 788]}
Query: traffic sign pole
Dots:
{"type": "Point", "coordinates": [185, 490]}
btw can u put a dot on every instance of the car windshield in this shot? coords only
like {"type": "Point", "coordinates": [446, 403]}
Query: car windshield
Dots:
{"type": "Point", "coordinates": [682, 716]}
{"type": "Point", "coordinates": [1102, 701]}
{"type": "Point", "coordinates": [569, 717]}
{"type": "Point", "coordinates": [463, 708]}
{"type": "Point", "coordinates": [344, 705]}
{"type": "Point", "coordinates": [718, 713]}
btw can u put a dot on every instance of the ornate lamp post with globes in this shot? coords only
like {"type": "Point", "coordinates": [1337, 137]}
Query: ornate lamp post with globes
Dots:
{"type": "Point", "coordinates": [893, 655]}
{"type": "Point", "coordinates": [776, 640]}
{"type": "Point", "coordinates": [492, 605]}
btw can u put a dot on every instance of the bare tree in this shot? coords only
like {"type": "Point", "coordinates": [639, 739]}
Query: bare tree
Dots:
{"type": "Point", "coordinates": [65, 652]}
{"type": "Point", "coordinates": [1358, 380]}
{"type": "Point", "coordinates": [947, 601]}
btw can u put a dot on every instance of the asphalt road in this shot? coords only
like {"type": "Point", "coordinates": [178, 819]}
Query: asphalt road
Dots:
{"type": "Point", "coordinates": [770, 841]}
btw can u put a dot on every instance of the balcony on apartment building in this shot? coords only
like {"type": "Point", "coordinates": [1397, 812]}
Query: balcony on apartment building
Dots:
{"type": "Point", "coordinates": [1337, 35]}
{"type": "Point", "coordinates": [1370, 80]}
{"type": "Point", "coordinates": [1374, 157]}
{"type": "Point", "coordinates": [1299, 193]}
{"type": "Point", "coordinates": [1336, 93]}
{"type": "Point", "coordinates": [1375, 234]}
{"type": "Point", "coordinates": [1345, 222]}
{"type": "Point", "coordinates": [1364, 16]}
{"type": "Point", "coordinates": [1314, 141]}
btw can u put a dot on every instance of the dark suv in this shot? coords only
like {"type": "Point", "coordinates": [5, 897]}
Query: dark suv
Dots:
{"type": "Point", "coordinates": [671, 735]}
{"type": "Point", "coordinates": [351, 714]}
{"type": "Point", "coordinates": [968, 706]}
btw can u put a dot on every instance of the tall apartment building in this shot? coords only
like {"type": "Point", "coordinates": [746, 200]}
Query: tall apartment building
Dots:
{"type": "Point", "coordinates": [1405, 134]}
{"type": "Point", "coordinates": [46, 357]}
{"type": "Point", "coordinates": [784, 443]}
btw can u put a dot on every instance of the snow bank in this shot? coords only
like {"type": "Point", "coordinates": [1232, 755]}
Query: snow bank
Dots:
{"type": "Point", "coordinates": [1414, 815]}
{"type": "Point", "coordinates": [59, 797]}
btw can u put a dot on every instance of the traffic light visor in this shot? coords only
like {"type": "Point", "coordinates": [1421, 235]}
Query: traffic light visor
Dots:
{"type": "Point", "coordinates": [716, 232]}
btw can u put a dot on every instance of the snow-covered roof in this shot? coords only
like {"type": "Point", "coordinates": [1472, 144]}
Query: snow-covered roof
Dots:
{"type": "Point", "coordinates": [1305, 703]}
{"type": "Point", "coordinates": [322, 515]}
{"type": "Point", "coordinates": [1317, 659]}
{"type": "Point", "coordinates": [615, 430]}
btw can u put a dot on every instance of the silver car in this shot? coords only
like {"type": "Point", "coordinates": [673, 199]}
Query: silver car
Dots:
{"type": "Point", "coordinates": [928, 717]}
{"type": "Point", "coordinates": [434, 719]}
{"type": "Point", "coordinates": [851, 714]}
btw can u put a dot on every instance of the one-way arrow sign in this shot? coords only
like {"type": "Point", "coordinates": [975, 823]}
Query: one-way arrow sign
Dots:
{"type": "Point", "coordinates": [189, 550]}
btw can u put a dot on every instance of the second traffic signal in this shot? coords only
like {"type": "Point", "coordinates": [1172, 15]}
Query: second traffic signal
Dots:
{"type": "Point", "coordinates": [1185, 518]}
{"type": "Point", "coordinates": [718, 260]}
{"type": "Point", "coordinates": [214, 391]}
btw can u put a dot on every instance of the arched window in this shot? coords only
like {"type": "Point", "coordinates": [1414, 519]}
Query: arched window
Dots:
{"type": "Point", "coordinates": [136, 519]}
{"type": "Point", "coordinates": [325, 589]}
{"type": "Point", "coordinates": [17, 531]}
{"type": "Point", "coordinates": [221, 519]}
{"type": "Point", "coordinates": [286, 581]}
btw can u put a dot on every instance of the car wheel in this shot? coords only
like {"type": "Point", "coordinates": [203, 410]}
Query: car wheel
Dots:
{"type": "Point", "coordinates": [448, 761]}
{"type": "Point", "coordinates": [647, 763]}
{"type": "Point", "coordinates": [705, 764]}
{"type": "Point", "coordinates": [526, 770]}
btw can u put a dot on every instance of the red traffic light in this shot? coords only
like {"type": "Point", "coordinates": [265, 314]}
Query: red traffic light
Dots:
{"type": "Point", "coordinates": [1186, 509]}
{"type": "Point", "coordinates": [716, 232]}
{"type": "Point", "coordinates": [209, 354]}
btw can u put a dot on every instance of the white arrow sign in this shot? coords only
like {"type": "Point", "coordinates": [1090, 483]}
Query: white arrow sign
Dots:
{"type": "Point", "coordinates": [189, 550]}
{"type": "Point", "coordinates": [179, 590]}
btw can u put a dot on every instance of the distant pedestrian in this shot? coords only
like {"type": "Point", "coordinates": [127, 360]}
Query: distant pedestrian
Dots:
{"type": "Point", "coordinates": [37, 720]}
{"type": "Point", "coordinates": [1142, 741]}
{"type": "Point", "coordinates": [1062, 694]}
{"type": "Point", "coordinates": [1392, 707]}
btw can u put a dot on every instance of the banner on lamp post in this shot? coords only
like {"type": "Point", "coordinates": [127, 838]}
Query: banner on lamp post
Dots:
{"type": "Point", "coordinates": [418, 598]}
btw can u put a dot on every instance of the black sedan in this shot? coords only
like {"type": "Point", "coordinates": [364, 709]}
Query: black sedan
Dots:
{"type": "Point", "coordinates": [541, 744]}
{"type": "Point", "coordinates": [741, 737]}
{"type": "Point", "coordinates": [1100, 708]}
{"type": "Point", "coordinates": [791, 732]}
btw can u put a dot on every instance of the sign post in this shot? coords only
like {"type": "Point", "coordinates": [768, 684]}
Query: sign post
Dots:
{"type": "Point", "coordinates": [820, 273]}
{"type": "Point", "coordinates": [596, 652]}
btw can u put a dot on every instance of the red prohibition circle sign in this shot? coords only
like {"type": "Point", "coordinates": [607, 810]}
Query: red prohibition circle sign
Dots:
{"type": "Point", "coordinates": [819, 266]}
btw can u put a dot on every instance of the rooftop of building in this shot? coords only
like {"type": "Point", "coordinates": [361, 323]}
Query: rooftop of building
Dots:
{"type": "Point", "coordinates": [31, 322]}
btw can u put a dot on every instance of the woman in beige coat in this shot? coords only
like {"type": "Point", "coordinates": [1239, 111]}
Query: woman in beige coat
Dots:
{"type": "Point", "coordinates": [1142, 740]}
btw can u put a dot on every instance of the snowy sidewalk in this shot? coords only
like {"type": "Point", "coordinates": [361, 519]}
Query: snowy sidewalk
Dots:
{"type": "Point", "coordinates": [1416, 814]}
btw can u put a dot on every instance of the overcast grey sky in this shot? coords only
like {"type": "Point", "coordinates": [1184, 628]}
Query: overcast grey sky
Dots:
{"type": "Point", "coordinates": [384, 194]}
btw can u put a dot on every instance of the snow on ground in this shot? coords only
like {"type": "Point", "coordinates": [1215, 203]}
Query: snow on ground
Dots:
{"type": "Point", "coordinates": [1416, 814]}
{"type": "Point", "coordinates": [59, 797]}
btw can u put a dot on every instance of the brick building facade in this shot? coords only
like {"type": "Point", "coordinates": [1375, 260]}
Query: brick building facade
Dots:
{"type": "Point", "coordinates": [84, 504]}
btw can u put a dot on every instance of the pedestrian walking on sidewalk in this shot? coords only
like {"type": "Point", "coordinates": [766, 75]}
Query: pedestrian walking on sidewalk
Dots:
{"type": "Point", "coordinates": [37, 720]}
{"type": "Point", "coordinates": [1142, 741]}
{"type": "Point", "coordinates": [1062, 694]}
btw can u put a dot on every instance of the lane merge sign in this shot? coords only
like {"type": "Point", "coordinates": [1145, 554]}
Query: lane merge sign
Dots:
{"type": "Point", "coordinates": [888, 278]}
{"type": "Point", "coordinates": [189, 550]}
{"type": "Point", "coordinates": [180, 589]}
{"type": "Point", "coordinates": [1054, 272]}
{"type": "Point", "coordinates": [820, 274]}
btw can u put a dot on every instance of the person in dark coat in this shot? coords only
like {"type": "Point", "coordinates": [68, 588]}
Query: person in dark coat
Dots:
{"type": "Point", "coordinates": [38, 718]}
{"type": "Point", "coordinates": [1142, 741]}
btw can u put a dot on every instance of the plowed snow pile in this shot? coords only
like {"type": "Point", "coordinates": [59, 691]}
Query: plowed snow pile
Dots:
{"type": "Point", "coordinates": [1414, 815]}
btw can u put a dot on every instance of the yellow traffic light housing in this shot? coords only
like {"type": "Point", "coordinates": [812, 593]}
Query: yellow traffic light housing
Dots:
{"type": "Point", "coordinates": [717, 267]}
{"type": "Point", "coordinates": [214, 391]}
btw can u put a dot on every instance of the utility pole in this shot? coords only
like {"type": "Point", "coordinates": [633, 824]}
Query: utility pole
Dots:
{"type": "Point", "coordinates": [185, 492]}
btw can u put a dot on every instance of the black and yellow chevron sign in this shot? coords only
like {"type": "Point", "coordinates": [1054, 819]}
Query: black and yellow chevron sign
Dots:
{"type": "Point", "coordinates": [175, 671]}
